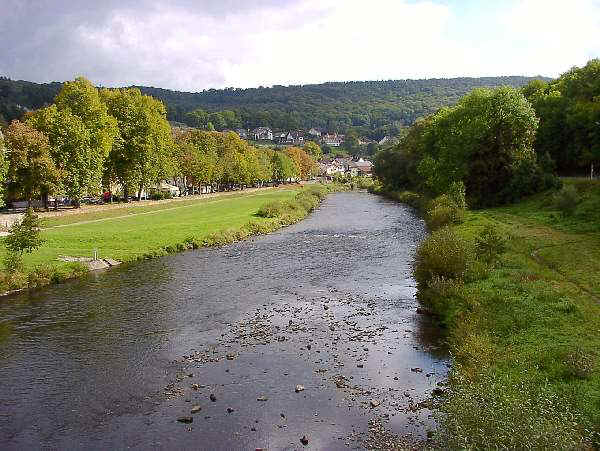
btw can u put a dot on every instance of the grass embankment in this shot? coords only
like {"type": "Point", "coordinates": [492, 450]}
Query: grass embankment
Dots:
{"type": "Point", "coordinates": [135, 233]}
{"type": "Point", "coordinates": [524, 331]}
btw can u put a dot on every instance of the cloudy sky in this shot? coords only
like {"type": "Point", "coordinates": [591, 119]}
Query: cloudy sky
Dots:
{"type": "Point", "coordinates": [199, 44]}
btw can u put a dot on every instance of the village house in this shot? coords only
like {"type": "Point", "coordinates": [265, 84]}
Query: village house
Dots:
{"type": "Point", "coordinates": [361, 167]}
{"type": "Point", "coordinates": [262, 134]}
{"type": "Point", "coordinates": [332, 140]}
{"type": "Point", "coordinates": [242, 133]}
{"type": "Point", "coordinates": [315, 132]}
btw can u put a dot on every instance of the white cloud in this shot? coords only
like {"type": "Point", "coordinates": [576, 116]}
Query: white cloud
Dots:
{"type": "Point", "coordinates": [192, 45]}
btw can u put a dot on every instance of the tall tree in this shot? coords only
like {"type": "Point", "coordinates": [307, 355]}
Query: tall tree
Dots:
{"type": "Point", "coordinates": [31, 170]}
{"type": "Point", "coordinates": [142, 154]}
{"type": "Point", "coordinates": [314, 150]}
{"type": "Point", "coordinates": [81, 134]}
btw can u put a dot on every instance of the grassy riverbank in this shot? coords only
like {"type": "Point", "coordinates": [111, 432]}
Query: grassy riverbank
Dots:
{"type": "Point", "coordinates": [525, 332]}
{"type": "Point", "coordinates": [145, 232]}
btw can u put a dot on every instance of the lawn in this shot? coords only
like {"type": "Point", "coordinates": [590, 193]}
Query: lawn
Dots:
{"type": "Point", "coordinates": [126, 234]}
{"type": "Point", "coordinates": [525, 338]}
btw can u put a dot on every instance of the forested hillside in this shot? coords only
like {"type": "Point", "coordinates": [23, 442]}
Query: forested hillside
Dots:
{"type": "Point", "coordinates": [373, 108]}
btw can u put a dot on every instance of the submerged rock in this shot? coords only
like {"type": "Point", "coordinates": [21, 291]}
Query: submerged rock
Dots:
{"type": "Point", "coordinates": [299, 388]}
{"type": "Point", "coordinates": [304, 440]}
{"type": "Point", "coordinates": [185, 419]}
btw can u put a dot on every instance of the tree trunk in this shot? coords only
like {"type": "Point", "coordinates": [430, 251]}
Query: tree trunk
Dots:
{"type": "Point", "coordinates": [45, 200]}
{"type": "Point", "coordinates": [126, 192]}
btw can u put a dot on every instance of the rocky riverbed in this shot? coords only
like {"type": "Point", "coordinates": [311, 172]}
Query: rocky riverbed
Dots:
{"type": "Point", "coordinates": [308, 338]}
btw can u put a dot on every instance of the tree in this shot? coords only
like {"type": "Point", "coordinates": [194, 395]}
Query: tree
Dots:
{"type": "Point", "coordinates": [24, 237]}
{"type": "Point", "coordinates": [142, 154]}
{"type": "Point", "coordinates": [351, 143]}
{"type": "Point", "coordinates": [31, 171]}
{"type": "Point", "coordinates": [81, 134]}
{"type": "Point", "coordinates": [284, 167]}
{"type": "Point", "coordinates": [305, 164]}
{"type": "Point", "coordinates": [198, 159]}
{"type": "Point", "coordinates": [313, 149]}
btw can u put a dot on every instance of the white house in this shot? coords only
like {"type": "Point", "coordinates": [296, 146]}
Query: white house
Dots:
{"type": "Point", "coordinates": [262, 134]}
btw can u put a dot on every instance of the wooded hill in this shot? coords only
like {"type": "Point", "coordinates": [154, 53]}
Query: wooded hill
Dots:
{"type": "Point", "coordinates": [372, 108]}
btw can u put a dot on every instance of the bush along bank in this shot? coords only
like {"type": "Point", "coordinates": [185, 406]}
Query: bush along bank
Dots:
{"type": "Point", "coordinates": [289, 212]}
{"type": "Point", "coordinates": [517, 290]}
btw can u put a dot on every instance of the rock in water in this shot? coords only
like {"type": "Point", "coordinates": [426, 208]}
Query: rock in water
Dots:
{"type": "Point", "coordinates": [185, 419]}
{"type": "Point", "coordinates": [299, 388]}
{"type": "Point", "coordinates": [213, 398]}
{"type": "Point", "coordinates": [304, 440]}
{"type": "Point", "coordinates": [375, 402]}
{"type": "Point", "coordinates": [230, 356]}
{"type": "Point", "coordinates": [196, 409]}
{"type": "Point", "coordinates": [229, 410]}
{"type": "Point", "coordinates": [262, 398]}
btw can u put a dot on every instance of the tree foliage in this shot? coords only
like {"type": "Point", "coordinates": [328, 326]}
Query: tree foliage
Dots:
{"type": "Point", "coordinates": [485, 141]}
{"type": "Point", "coordinates": [569, 112]}
{"type": "Point", "coordinates": [142, 153]}
{"type": "Point", "coordinates": [81, 135]}
{"type": "Point", "coordinates": [31, 171]}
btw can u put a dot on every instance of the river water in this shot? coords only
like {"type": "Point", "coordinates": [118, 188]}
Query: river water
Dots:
{"type": "Point", "coordinates": [113, 360]}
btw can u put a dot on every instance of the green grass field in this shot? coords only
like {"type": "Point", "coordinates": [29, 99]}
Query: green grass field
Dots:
{"type": "Point", "coordinates": [126, 234]}
{"type": "Point", "coordinates": [526, 338]}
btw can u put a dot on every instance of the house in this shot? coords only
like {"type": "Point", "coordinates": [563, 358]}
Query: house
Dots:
{"type": "Point", "coordinates": [242, 133]}
{"type": "Point", "coordinates": [332, 140]}
{"type": "Point", "coordinates": [361, 167]}
{"type": "Point", "coordinates": [314, 132]}
{"type": "Point", "coordinates": [262, 134]}
{"type": "Point", "coordinates": [295, 137]}
{"type": "Point", "coordinates": [386, 140]}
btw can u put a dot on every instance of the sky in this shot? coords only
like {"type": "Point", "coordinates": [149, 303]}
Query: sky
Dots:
{"type": "Point", "coordinates": [192, 45]}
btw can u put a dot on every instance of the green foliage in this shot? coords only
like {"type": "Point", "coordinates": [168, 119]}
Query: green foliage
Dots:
{"type": "Point", "coordinates": [31, 170]}
{"type": "Point", "coordinates": [81, 135]}
{"type": "Point", "coordinates": [373, 108]}
{"type": "Point", "coordinates": [489, 244]}
{"type": "Point", "coordinates": [446, 209]}
{"type": "Point", "coordinates": [569, 113]}
{"type": "Point", "coordinates": [3, 168]}
{"type": "Point", "coordinates": [142, 153]}
{"type": "Point", "coordinates": [313, 150]}
{"type": "Point", "coordinates": [24, 235]}
{"type": "Point", "coordinates": [443, 254]}
{"type": "Point", "coordinates": [567, 199]}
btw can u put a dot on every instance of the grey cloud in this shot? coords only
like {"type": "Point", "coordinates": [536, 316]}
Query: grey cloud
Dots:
{"type": "Point", "coordinates": [45, 40]}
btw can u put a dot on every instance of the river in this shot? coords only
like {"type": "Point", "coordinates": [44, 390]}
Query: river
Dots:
{"type": "Point", "coordinates": [113, 360]}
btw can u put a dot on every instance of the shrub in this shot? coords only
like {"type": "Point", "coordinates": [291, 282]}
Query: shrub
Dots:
{"type": "Point", "coordinates": [442, 254]}
{"type": "Point", "coordinates": [40, 276]}
{"type": "Point", "coordinates": [160, 195]}
{"type": "Point", "coordinates": [579, 364]}
{"type": "Point", "coordinates": [272, 209]}
{"type": "Point", "coordinates": [489, 245]}
{"type": "Point", "coordinates": [445, 210]}
{"type": "Point", "coordinates": [566, 200]}
{"type": "Point", "coordinates": [13, 262]}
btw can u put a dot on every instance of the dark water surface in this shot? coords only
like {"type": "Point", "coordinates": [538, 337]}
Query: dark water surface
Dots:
{"type": "Point", "coordinates": [111, 361]}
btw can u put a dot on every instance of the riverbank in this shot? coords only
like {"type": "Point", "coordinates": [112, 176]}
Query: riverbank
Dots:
{"type": "Point", "coordinates": [524, 332]}
{"type": "Point", "coordinates": [127, 234]}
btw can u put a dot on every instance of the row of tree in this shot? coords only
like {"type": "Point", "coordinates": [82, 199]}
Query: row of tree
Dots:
{"type": "Point", "coordinates": [569, 112]}
{"type": "Point", "coordinates": [485, 141]}
{"type": "Point", "coordinates": [90, 139]}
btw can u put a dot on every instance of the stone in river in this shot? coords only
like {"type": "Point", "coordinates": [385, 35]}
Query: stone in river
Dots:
{"type": "Point", "coordinates": [304, 440]}
{"type": "Point", "coordinates": [196, 409]}
{"type": "Point", "coordinates": [375, 402]}
{"type": "Point", "coordinates": [185, 419]}
{"type": "Point", "coordinates": [213, 398]}
{"type": "Point", "coordinates": [299, 388]}
{"type": "Point", "coordinates": [262, 398]}
{"type": "Point", "coordinates": [230, 356]}
{"type": "Point", "coordinates": [229, 410]}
